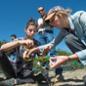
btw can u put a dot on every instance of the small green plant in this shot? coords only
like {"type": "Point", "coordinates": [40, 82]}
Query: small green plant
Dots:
{"type": "Point", "coordinates": [40, 64]}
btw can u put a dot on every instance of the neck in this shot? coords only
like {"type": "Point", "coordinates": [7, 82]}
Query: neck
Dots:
{"type": "Point", "coordinates": [44, 16]}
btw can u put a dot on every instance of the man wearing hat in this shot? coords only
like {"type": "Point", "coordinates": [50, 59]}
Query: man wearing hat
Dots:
{"type": "Point", "coordinates": [44, 28]}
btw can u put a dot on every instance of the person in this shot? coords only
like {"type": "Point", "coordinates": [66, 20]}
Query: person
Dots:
{"type": "Point", "coordinates": [46, 34]}
{"type": "Point", "coordinates": [75, 38]}
{"type": "Point", "coordinates": [24, 65]}
{"type": "Point", "coordinates": [12, 55]}
{"type": "Point", "coordinates": [44, 28]}
{"type": "Point", "coordinates": [13, 36]}
{"type": "Point", "coordinates": [24, 71]}
{"type": "Point", "coordinates": [73, 31]}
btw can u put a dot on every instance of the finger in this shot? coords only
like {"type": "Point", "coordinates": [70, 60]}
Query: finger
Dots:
{"type": "Point", "coordinates": [51, 66]}
{"type": "Point", "coordinates": [52, 58]}
{"type": "Point", "coordinates": [24, 54]}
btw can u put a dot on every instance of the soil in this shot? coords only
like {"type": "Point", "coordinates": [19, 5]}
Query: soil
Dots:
{"type": "Point", "coordinates": [71, 78]}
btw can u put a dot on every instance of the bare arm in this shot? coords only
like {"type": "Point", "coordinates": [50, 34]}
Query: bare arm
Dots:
{"type": "Point", "coordinates": [59, 60]}
{"type": "Point", "coordinates": [10, 45]}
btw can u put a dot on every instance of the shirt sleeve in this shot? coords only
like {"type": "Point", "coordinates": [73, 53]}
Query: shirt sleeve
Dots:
{"type": "Point", "coordinates": [47, 45]}
{"type": "Point", "coordinates": [82, 56]}
{"type": "Point", "coordinates": [56, 40]}
{"type": "Point", "coordinates": [59, 37]}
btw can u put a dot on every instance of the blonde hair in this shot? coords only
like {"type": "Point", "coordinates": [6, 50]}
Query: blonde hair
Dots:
{"type": "Point", "coordinates": [61, 13]}
{"type": "Point", "coordinates": [60, 9]}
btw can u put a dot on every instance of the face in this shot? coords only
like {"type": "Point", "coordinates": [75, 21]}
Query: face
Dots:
{"type": "Point", "coordinates": [42, 12]}
{"type": "Point", "coordinates": [31, 30]}
{"type": "Point", "coordinates": [12, 38]}
{"type": "Point", "coordinates": [56, 22]}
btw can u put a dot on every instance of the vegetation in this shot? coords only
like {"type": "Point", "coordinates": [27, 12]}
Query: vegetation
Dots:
{"type": "Point", "coordinates": [63, 52]}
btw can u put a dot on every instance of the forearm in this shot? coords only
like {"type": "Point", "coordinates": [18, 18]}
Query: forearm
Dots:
{"type": "Point", "coordinates": [9, 46]}
{"type": "Point", "coordinates": [59, 60]}
{"type": "Point", "coordinates": [49, 45]}
{"type": "Point", "coordinates": [73, 57]}
{"type": "Point", "coordinates": [59, 38]}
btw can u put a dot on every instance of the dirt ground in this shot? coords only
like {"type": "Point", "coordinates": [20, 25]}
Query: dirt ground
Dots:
{"type": "Point", "coordinates": [71, 78]}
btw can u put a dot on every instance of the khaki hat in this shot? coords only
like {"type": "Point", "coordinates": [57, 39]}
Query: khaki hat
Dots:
{"type": "Point", "coordinates": [49, 16]}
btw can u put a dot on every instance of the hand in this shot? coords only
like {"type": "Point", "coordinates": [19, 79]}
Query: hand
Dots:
{"type": "Point", "coordinates": [33, 50]}
{"type": "Point", "coordinates": [57, 61]}
{"type": "Point", "coordinates": [28, 54]}
{"type": "Point", "coordinates": [46, 50]}
{"type": "Point", "coordinates": [29, 43]}
{"type": "Point", "coordinates": [25, 55]}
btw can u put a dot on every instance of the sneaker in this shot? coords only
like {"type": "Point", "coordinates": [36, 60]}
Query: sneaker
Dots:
{"type": "Point", "coordinates": [23, 81]}
{"type": "Point", "coordinates": [60, 77]}
{"type": "Point", "coordinates": [7, 82]}
{"type": "Point", "coordinates": [1, 79]}
{"type": "Point", "coordinates": [84, 78]}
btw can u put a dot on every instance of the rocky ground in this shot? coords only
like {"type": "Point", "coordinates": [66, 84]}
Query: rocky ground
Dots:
{"type": "Point", "coordinates": [71, 78]}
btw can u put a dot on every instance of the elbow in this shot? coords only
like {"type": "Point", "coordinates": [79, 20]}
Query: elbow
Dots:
{"type": "Point", "coordinates": [2, 48]}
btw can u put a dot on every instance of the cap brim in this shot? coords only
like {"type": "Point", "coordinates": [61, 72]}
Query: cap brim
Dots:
{"type": "Point", "coordinates": [49, 16]}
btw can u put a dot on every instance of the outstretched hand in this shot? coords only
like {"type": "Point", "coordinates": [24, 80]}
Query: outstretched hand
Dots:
{"type": "Point", "coordinates": [57, 61]}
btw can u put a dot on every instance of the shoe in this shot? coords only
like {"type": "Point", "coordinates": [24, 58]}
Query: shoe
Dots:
{"type": "Point", "coordinates": [84, 78]}
{"type": "Point", "coordinates": [60, 77]}
{"type": "Point", "coordinates": [7, 82]}
{"type": "Point", "coordinates": [1, 79]}
{"type": "Point", "coordinates": [23, 81]}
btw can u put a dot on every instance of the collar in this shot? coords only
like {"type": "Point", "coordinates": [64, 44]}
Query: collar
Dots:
{"type": "Point", "coordinates": [71, 23]}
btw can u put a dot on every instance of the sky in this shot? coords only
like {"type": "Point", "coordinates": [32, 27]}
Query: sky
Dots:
{"type": "Point", "coordinates": [15, 13]}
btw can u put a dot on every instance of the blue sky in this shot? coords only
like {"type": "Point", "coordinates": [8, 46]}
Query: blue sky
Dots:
{"type": "Point", "coordinates": [15, 13]}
